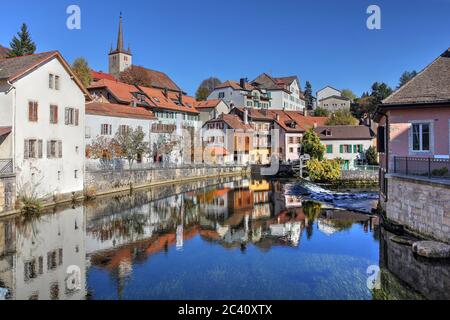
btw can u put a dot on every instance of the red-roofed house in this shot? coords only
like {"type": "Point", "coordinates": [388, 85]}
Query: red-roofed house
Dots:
{"type": "Point", "coordinates": [210, 109]}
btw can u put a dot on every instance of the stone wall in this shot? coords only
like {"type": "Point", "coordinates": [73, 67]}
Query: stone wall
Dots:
{"type": "Point", "coordinates": [360, 176]}
{"type": "Point", "coordinates": [119, 180]}
{"type": "Point", "coordinates": [420, 204]}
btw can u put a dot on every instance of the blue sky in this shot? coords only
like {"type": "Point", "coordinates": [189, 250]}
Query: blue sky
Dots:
{"type": "Point", "coordinates": [326, 42]}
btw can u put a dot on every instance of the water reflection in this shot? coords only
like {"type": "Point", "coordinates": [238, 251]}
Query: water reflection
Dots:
{"type": "Point", "coordinates": [230, 239]}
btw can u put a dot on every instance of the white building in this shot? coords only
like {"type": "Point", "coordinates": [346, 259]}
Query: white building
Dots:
{"type": "Point", "coordinates": [327, 92]}
{"type": "Point", "coordinates": [348, 143]}
{"type": "Point", "coordinates": [43, 104]}
{"type": "Point", "coordinates": [241, 94]}
{"type": "Point", "coordinates": [284, 92]}
{"type": "Point", "coordinates": [108, 119]}
{"type": "Point", "coordinates": [332, 99]}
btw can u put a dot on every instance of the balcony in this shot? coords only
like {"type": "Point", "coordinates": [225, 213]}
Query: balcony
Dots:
{"type": "Point", "coordinates": [423, 167]}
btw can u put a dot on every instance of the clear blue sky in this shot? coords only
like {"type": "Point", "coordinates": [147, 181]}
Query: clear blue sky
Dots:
{"type": "Point", "coordinates": [326, 42]}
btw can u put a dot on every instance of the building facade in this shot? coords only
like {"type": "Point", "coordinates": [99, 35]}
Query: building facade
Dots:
{"type": "Point", "coordinates": [44, 107]}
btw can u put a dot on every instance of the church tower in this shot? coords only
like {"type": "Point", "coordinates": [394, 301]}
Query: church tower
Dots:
{"type": "Point", "coordinates": [119, 59]}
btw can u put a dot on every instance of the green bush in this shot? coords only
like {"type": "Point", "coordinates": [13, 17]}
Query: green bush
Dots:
{"type": "Point", "coordinates": [324, 170]}
{"type": "Point", "coordinates": [439, 172]}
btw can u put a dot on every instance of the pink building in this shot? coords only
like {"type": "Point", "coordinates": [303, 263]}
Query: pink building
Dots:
{"type": "Point", "coordinates": [414, 146]}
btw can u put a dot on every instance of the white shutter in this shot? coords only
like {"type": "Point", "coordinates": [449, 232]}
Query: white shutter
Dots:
{"type": "Point", "coordinates": [40, 149]}
{"type": "Point", "coordinates": [49, 151]}
{"type": "Point", "coordinates": [60, 149]}
{"type": "Point", "coordinates": [67, 116]}
{"type": "Point", "coordinates": [26, 149]}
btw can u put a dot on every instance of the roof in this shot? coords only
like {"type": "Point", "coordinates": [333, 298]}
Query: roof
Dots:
{"type": "Point", "coordinates": [118, 110]}
{"type": "Point", "coordinates": [255, 114]}
{"type": "Point", "coordinates": [120, 90]}
{"type": "Point", "coordinates": [431, 85]}
{"type": "Point", "coordinates": [232, 120]}
{"type": "Point", "coordinates": [345, 133]}
{"type": "Point", "coordinates": [3, 52]}
{"type": "Point", "coordinates": [335, 97]}
{"type": "Point", "coordinates": [268, 82]}
{"type": "Point", "coordinates": [328, 87]}
{"type": "Point", "coordinates": [208, 104]}
{"type": "Point", "coordinates": [12, 69]}
{"type": "Point", "coordinates": [5, 131]}
{"type": "Point", "coordinates": [236, 86]}
{"type": "Point", "coordinates": [159, 79]}
{"type": "Point", "coordinates": [98, 75]}
{"type": "Point", "coordinates": [306, 122]}
{"type": "Point", "coordinates": [171, 102]}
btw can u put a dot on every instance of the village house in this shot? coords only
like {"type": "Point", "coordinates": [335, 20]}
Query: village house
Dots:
{"type": "Point", "coordinates": [285, 92]}
{"type": "Point", "coordinates": [42, 125]}
{"type": "Point", "coordinates": [414, 146]}
{"type": "Point", "coordinates": [210, 109]}
{"type": "Point", "coordinates": [332, 99]}
{"type": "Point", "coordinates": [346, 143]}
{"type": "Point", "coordinates": [241, 94]}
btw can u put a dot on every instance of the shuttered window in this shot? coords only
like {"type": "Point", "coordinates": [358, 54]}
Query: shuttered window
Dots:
{"type": "Point", "coordinates": [381, 139]}
{"type": "Point", "coordinates": [33, 149]}
{"type": "Point", "coordinates": [72, 116]}
{"type": "Point", "coordinates": [329, 148]}
{"type": "Point", "coordinates": [33, 111]}
{"type": "Point", "coordinates": [54, 149]}
{"type": "Point", "coordinates": [53, 114]}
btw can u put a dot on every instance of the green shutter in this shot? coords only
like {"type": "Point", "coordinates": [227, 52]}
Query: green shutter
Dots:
{"type": "Point", "coordinates": [341, 149]}
{"type": "Point", "coordinates": [330, 148]}
{"type": "Point", "coordinates": [355, 148]}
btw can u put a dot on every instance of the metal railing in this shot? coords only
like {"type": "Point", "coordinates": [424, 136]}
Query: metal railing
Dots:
{"type": "Point", "coordinates": [422, 166]}
{"type": "Point", "coordinates": [6, 167]}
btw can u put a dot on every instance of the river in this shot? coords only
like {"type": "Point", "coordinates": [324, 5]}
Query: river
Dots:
{"type": "Point", "coordinates": [215, 239]}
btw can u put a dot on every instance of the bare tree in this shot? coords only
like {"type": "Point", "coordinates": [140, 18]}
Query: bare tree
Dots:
{"type": "Point", "coordinates": [132, 145]}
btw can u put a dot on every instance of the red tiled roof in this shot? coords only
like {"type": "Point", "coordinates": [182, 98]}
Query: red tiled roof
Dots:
{"type": "Point", "coordinates": [159, 100]}
{"type": "Point", "coordinates": [121, 91]}
{"type": "Point", "coordinates": [5, 131]}
{"type": "Point", "coordinates": [97, 75]}
{"type": "Point", "coordinates": [232, 120]}
{"type": "Point", "coordinates": [208, 103]}
{"type": "Point", "coordinates": [307, 122]}
{"type": "Point", "coordinates": [235, 85]}
{"type": "Point", "coordinates": [159, 79]}
{"type": "Point", "coordinates": [118, 110]}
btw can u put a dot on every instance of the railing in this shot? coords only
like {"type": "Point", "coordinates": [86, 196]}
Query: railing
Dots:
{"type": "Point", "coordinates": [425, 167]}
{"type": "Point", "coordinates": [366, 168]}
{"type": "Point", "coordinates": [6, 167]}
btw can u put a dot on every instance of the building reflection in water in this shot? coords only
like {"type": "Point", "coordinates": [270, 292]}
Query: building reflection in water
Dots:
{"type": "Point", "coordinates": [43, 258]}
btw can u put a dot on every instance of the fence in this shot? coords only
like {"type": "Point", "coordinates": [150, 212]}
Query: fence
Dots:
{"type": "Point", "coordinates": [6, 167]}
{"type": "Point", "coordinates": [422, 166]}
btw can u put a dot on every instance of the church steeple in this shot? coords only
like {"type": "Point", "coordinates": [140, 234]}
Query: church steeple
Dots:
{"type": "Point", "coordinates": [120, 58]}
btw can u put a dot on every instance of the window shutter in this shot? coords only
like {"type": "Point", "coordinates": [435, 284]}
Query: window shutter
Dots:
{"type": "Point", "coordinates": [355, 148]}
{"type": "Point", "coordinates": [341, 148]}
{"type": "Point", "coordinates": [67, 116]}
{"type": "Point", "coordinates": [35, 111]}
{"type": "Point", "coordinates": [26, 149]}
{"type": "Point", "coordinates": [77, 113]}
{"type": "Point", "coordinates": [49, 146]}
{"type": "Point", "coordinates": [30, 111]}
{"type": "Point", "coordinates": [60, 149]}
{"type": "Point", "coordinates": [39, 149]}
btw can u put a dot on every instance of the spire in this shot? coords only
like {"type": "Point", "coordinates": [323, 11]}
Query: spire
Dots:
{"type": "Point", "coordinates": [120, 36]}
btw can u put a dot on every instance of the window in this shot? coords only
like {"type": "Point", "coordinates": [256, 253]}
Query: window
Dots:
{"type": "Point", "coordinates": [421, 137]}
{"type": "Point", "coordinates": [87, 132]}
{"type": "Point", "coordinates": [56, 82]}
{"type": "Point", "coordinates": [50, 81]}
{"type": "Point", "coordinates": [291, 139]}
{"type": "Point", "coordinates": [72, 116]}
{"type": "Point", "coordinates": [124, 129]}
{"type": "Point", "coordinates": [30, 271]}
{"type": "Point", "coordinates": [75, 174]}
{"type": "Point", "coordinates": [106, 129]}
{"type": "Point", "coordinates": [291, 150]}
{"type": "Point", "coordinates": [53, 114]}
{"type": "Point", "coordinates": [329, 148]}
{"type": "Point", "coordinates": [54, 149]}
{"type": "Point", "coordinates": [346, 148]}
{"type": "Point", "coordinates": [221, 95]}
{"type": "Point", "coordinates": [33, 111]}
{"type": "Point", "coordinates": [32, 149]}
{"type": "Point", "coordinates": [381, 144]}
{"type": "Point", "coordinates": [358, 148]}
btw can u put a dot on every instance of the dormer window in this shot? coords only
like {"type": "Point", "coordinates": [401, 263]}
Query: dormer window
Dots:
{"type": "Point", "coordinates": [328, 133]}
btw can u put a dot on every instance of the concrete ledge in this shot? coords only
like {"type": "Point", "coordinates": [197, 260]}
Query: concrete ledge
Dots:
{"type": "Point", "coordinates": [445, 183]}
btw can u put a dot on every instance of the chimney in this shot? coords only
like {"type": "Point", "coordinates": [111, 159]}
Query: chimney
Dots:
{"type": "Point", "coordinates": [245, 116]}
{"type": "Point", "coordinates": [165, 92]}
{"type": "Point", "coordinates": [243, 82]}
{"type": "Point", "coordinates": [315, 125]}
{"type": "Point", "coordinates": [305, 112]}
{"type": "Point", "coordinates": [278, 117]}
{"type": "Point", "coordinates": [180, 97]}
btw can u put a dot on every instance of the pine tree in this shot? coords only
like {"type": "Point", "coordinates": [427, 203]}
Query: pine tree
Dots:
{"type": "Point", "coordinates": [22, 44]}
{"type": "Point", "coordinates": [308, 94]}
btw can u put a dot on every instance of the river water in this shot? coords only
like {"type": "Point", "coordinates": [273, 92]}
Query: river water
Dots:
{"type": "Point", "coordinates": [227, 239]}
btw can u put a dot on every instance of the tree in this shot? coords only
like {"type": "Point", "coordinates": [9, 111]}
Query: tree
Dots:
{"type": "Point", "coordinates": [324, 170]}
{"type": "Point", "coordinates": [321, 112]}
{"type": "Point", "coordinates": [362, 106]}
{"type": "Point", "coordinates": [81, 68]}
{"type": "Point", "coordinates": [132, 144]}
{"type": "Point", "coordinates": [308, 94]}
{"type": "Point", "coordinates": [380, 91]}
{"type": "Point", "coordinates": [206, 87]}
{"type": "Point", "coordinates": [312, 145]}
{"type": "Point", "coordinates": [22, 44]}
{"type": "Point", "coordinates": [342, 117]}
{"type": "Point", "coordinates": [372, 156]}
{"type": "Point", "coordinates": [405, 77]}
{"type": "Point", "coordinates": [136, 76]}
{"type": "Point", "coordinates": [347, 93]}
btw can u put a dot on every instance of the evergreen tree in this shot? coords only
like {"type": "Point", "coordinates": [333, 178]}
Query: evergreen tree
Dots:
{"type": "Point", "coordinates": [22, 44]}
{"type": "Point", "coordinates": [405, 77]}
{"type": "Point", "coordinates": [81, 68]}
{"type": "Point", "coordinates": [308, 94]}
{"type": "Point", "coordinates": [372, 156]}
